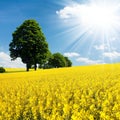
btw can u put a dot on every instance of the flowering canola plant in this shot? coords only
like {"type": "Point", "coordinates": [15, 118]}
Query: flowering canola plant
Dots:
{"type": "Point", "coordinates": [76, 93]}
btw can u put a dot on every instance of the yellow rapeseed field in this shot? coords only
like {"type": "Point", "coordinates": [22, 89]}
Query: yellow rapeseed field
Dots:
{"type": "Point", "coordinates": [76, 93]}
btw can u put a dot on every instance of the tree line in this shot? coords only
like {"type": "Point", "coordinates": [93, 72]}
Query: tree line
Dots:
{"type": "Point", "coordinates": [29, 43]}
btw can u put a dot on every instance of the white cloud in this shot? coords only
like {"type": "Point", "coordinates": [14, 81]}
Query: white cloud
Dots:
{"type": "Point", "coordinates": [5, 61]}
{"type": "Point", "coordinates": [88, 61]}
{"type": "Point", "coordinates": [64, 13]}
{"type": "Point", "coordinates": [113, 54]}
{"type": "Point", "coordinates": [70, 11]}
{"type": "Point", "coordinates": [104, 47]}
{"type": "Point", "coordinates": [101, 47]}
{"type": "Point", "coordinates": [95, 14]}
{"type": "Point", "coordinates": [71, 54]}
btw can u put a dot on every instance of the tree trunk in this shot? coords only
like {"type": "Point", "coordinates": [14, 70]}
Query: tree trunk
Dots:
{"type": "Point", "coordinates": [27, 67]}
{"type": "Point", "coordinates": [35, 67]}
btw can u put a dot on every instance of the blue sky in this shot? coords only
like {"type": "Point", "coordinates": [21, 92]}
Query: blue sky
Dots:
{"type": "Point", "coordinates": [71, 28]}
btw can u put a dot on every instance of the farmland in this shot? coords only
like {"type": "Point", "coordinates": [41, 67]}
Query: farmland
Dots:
{"type": "Point", "coordinates": [76, 93]}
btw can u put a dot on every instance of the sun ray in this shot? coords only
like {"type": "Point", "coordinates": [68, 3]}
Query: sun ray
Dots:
{"type": "Point", "coordinates": [90, 23]}
{"type": "Point", "coordinates": [78, 41]}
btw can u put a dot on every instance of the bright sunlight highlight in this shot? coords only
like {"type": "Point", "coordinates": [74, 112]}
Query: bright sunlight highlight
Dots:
{"type": "Point", "coordinates": [91, 23]}
{"type": "Point", "coordinates": [96, 15]}
{"type": "Point", "coordinates": [103, 17]}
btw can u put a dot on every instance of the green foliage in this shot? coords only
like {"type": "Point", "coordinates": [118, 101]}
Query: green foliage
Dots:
{"type": "Point", "coordinates": [68, 62]}
{"type": "Point", "coordinates": [2, 70]}
{"type": "Point", "coordinates": [57, 60]}
{"type": "Point", "coordinates": [29, 43]}
{"type": "Point", "coordinates": [45, 64]}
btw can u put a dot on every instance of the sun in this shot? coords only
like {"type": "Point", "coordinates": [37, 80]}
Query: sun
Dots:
{"type": "Point", "coordinates": [101, 16]}
{"type": "Point", "coordinates": [90, 24]}
{"type": "Point", "coordinates": [96, 21]}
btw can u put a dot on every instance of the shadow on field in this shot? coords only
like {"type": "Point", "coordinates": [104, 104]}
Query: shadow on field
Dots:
{"type": "Point", "coordinates": [15, 71]}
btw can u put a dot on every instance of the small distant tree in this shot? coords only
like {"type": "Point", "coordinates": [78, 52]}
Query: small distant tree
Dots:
{"type": "Point", "coordinates": [57, 60]}
{"type": "Point", "coordinates": [68, 62]}
{"type": "Point", "coordinates": [29, 43]}
{"type": "Point", "coordinates": [2, 70]}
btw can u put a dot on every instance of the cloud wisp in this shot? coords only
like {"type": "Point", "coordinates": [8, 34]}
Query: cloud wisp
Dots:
{"type": "Point", "coordinates": [71, 54]}
{"type": "Point", "coordinates": [81, 60]}
{"type": "Point", "coordinates": [113, 55]}
{"type": "Point", "coordinates": [101, 47]}
{"type": "Point", "coordinates": [88, 61]}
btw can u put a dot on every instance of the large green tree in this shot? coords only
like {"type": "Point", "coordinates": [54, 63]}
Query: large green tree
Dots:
{"type": "Point", "coordinates": [29, 43]}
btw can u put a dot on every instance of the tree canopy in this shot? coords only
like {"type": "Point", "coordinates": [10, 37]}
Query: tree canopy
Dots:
{"type": "Point", "coordinates": [68, 62]}
{"type": "Point", "coordinates": [29, 43]}
{"type": "Point", "coordinates": [57, 60]}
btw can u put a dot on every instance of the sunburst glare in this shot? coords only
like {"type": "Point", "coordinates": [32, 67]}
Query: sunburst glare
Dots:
{"type": "Point", "coordinates": [99, 16]}
{"type": "Point", "coordinates": [96, 22]}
